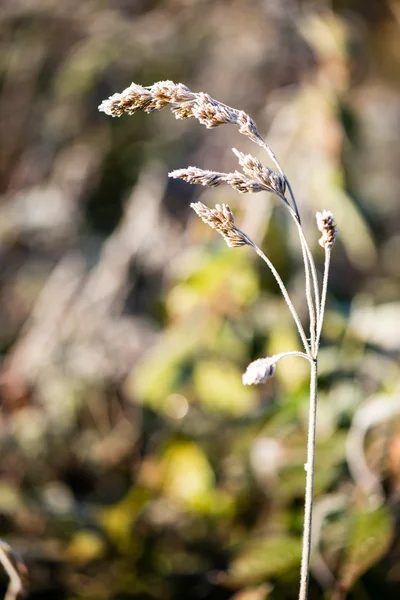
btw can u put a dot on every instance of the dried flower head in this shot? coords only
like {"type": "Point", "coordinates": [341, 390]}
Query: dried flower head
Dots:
{"type": "Point", "coordinates": [221, 219]}
{"type": "Point", "coordinates": [259, 371]}
{"type": "Point", "coordinates": [327, 226]}
{"type": "Point", "coordinates": [236, 180]}
{"type": "Point", "coordinates": [137, 97]}
{"type": "Point", "coordinates": [254, 169]}
{"type": "Point", "coordinates": [184, 103]}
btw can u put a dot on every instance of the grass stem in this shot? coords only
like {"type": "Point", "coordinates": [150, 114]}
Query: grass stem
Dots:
{"type": "Point", "coordinates": [309, 466]}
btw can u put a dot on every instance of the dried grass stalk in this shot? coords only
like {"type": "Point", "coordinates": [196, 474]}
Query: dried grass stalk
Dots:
{"type": "Point", "coordinates": [184, 103]}
{"type": "Point", "coordinates": [236, 180]}
{"type": "Point", "coordinates": [221, 219]}
{"type": "Point", "coordinates": [265, 176]}
{"type": "Point", "coordinates": [187, 105]}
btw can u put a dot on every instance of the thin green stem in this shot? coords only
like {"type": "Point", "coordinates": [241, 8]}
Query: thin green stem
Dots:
{"type": "Point", "coordinates": [323, 294]}
{"type": "Point", "coordinates": [286, 297]}
{"type": "Point", "coordinates": [309, 467]}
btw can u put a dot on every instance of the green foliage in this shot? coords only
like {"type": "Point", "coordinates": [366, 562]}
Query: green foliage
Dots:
{"type": "Point", "coordinates": [265, 559]}
{"type": "Point", "coordinates": [370, 535]}
{"type": "Point", "coordinates": [218, 385]}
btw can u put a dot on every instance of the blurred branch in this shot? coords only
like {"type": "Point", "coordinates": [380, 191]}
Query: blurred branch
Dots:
{"type": "Point", "coordinates": [323, 508]}
{"type": "Point", "coordinates": [370, 414]}
{"type": "Point", "coordinates": [16, 571]}
{"type": "Point", "coordinates": [78, 316]}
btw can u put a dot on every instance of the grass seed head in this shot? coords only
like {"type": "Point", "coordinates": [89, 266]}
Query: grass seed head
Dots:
{"type": "Point", "coordinates": [327, 226]}
{"type": "Point", "coordinates": [259, 371]}
{"type": "Point", "coordinates": [222, 220]}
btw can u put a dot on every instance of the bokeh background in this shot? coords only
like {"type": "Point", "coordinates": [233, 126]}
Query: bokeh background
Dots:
{"type": "Point", "coordinates": [134, 464]}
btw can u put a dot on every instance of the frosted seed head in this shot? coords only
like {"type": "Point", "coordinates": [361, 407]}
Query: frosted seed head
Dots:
{"type": "Point", "coordinates": [259, 371]}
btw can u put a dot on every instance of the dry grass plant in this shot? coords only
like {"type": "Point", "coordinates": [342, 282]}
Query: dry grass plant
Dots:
{"type": "Point", "coordinates": [186, 104]}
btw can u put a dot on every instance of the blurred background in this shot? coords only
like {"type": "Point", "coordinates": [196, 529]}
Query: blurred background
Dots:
{"type": "Point", "coordinates": [134, 464]}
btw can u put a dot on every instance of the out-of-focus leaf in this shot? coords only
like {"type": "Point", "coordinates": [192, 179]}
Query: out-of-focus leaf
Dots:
{"type": "Point", "coordinates": [265, 559]}
{"type": "Point", "coordinates": [224, 283]}
{"type": "Point", "coordinates": [216, 503]}
{"type": "Point", "coordinates": [227, 343]}
{"type": "Point", "coordinates": [370, 534]}
{"type": "Point", "coordinates": [254, 593]}
{"type": "Point", "coordinates": [327, 33]}
{"type": "Point", "coordinates": [292, 480]}
{"type": "Point", "coordinates": [219, 386]}
{"type": "Point", "coordinates": [28, 427]}
{"type": "Point", "coordinates": [10, 498]}
{"type": "Point", "coordinates": [160, 371]}
{"type": "Point", "coordinates": [293, 372]}
{"type": "Point", "coordinates": [78, 73]}
{"type": "Point", "coordinates": [118, 518]}
{"type": "Point", "coordinates": [360, 248]}
{"type": "Point", "coordinates": [329, 454]}
{"type": "Point", "coordinates": [187, 474]}
{"type": "Point", "coordinates": [374, 324]}
{"type": "Point", "coordinates": [86, 546]}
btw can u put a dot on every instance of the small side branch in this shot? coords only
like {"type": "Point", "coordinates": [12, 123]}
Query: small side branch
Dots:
{"type": "Point", "coordinates": [327, 226]}
{"type": "Point", "coordinates": [286, 297]}
{"type": "Point", "coordinates": [323, 293]}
